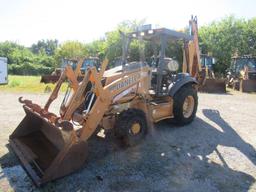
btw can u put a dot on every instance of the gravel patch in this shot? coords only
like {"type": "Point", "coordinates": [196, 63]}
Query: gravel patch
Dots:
{"type": "Point", "coordinates": [214, 153]}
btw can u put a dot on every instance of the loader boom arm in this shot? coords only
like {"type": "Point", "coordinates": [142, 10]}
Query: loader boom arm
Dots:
{"type": "Point", "coordinates": [105, 97]}
{"type": "Point", "coordinates": [67, 73]}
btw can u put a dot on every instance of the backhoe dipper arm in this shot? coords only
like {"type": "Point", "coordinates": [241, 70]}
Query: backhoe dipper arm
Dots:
{"type": "Point", "coordinates": [191, 54]}
{"type": "Point", "coordinates": [194, 30]}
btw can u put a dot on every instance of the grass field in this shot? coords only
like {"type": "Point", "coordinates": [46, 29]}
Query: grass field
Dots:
{"type": "Point", "coordinates": [31, 84]}
{"type": "Point", "coordinates": [28, 84]}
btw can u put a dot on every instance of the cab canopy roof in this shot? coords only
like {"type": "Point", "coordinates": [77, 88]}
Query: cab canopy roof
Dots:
{"type": "Point", "coordinates": [158, 33]}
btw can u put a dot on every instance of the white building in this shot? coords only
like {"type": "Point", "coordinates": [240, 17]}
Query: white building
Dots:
{"type": "Point", "coordinates": [3, 70]}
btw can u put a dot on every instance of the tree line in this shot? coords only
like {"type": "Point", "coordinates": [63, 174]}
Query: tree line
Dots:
{"type": "Point", "coordinates": [221, 39]}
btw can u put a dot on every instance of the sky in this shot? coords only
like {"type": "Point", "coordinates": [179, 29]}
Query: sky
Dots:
{"type": "Point", "coordinates": [27, 21]}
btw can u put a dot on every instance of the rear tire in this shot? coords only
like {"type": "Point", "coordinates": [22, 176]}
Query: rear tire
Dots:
{"type": "Point", "coordinates": [185, 105]}
{"type": "Point", "coordinates": [131, 126]}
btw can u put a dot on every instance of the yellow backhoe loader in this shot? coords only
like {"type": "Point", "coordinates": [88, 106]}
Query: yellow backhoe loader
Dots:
{"type": "Point", "coordinates": [242, 73]}
{"type": "Point", "coordinates": [211, 84]}
{"type": "Point", "coordinates": [127, 99]}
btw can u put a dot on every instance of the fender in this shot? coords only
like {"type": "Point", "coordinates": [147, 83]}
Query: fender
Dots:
{"type": "Point", "coordinates": [181, 80]}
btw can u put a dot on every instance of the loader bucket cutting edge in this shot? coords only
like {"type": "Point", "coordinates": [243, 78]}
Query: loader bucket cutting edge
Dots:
{"type": "Point", "coordinates": [46, 152]}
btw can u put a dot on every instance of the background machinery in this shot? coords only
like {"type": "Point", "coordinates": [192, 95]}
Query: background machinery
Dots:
{"type": "Point", "coordinates": [80, 65]}
{"type": "Point", "coordinates": [126, 99]}
{"type": "Point", "coordinates": [242, 73]}
{"type": "Point", "coordinates": [211, 84]}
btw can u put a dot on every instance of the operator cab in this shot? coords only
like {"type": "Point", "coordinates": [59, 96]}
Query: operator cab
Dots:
{"type": "Point", "coordinates": [71, 62]}
{"type": "Point", "coordinates": [162, 43]}
{"type": "Point", "coordinates": [90, 62]}
{"type": "Point", "coordinates": [238, 63]}
{"type": "Point", "coordinates": [207, 61]}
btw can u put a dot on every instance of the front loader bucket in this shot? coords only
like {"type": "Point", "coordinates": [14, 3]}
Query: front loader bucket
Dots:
{"type": "Point", "coordinates": [214, 86]}
{"type": "Point", "coordinates": [46, 151]}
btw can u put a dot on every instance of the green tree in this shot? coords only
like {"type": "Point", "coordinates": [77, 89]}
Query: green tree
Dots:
{"type": "Point", "coordinates": [48, 46]}
{"type": "Point", "coordinates": [10, 50]}
{"type": "Point", "coordinates": [97, 48]}
{"type": "Point", "coordinates": [70, 49]}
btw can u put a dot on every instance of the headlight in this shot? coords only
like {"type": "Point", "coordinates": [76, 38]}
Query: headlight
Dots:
{"type": "Point", "coordinates": [172, 65]}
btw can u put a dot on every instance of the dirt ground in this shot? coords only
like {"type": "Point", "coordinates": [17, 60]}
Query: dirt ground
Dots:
{"type": "Point", "coordinates": [214, 153]}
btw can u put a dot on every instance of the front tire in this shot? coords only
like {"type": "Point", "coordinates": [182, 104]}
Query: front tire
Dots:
{"type": "Point", "coordinates": [131, 126]}
{"type": "Point", "coordinates": [185, 105]}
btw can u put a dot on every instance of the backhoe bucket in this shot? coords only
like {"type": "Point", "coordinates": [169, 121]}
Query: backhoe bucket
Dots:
{"type": "Point", "coordinates": [46, 151]}
{"type": "Point", "coordinates": [248, 85]}
{"type": "Point", "coordinates": [214, 86]}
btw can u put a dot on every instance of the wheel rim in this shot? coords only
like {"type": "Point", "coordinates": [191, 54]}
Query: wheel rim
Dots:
{"type": "Point", "coordinates": [135, 129]}
{"type": "Point", "coordinates": [188, 106]}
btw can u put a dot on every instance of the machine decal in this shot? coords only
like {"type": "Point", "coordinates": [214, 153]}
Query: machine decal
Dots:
{"type": "Point", "coordinates": [125, 82]}
{"type": "Point", "coordinates": [126, 92]}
